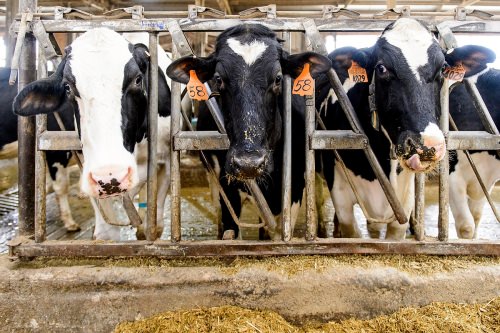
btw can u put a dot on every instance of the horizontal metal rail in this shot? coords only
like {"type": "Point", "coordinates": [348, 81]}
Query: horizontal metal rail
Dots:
{"type": "Point", "coordinates": [161, 248]}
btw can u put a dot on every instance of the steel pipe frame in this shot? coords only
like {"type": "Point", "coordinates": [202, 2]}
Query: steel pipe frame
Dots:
{"type": "Point", "coordinates": [375, 25]}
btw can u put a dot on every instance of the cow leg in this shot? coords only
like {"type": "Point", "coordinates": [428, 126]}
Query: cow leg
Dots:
{"type": "Point", "coordinates": [476, 208]}
{"type": "Point", "coordinates": [343, 201]}
{"type": "Point", "coordinates": [163, 187]}
{"type": "Point", "coordinates": [320, 204]}
{"type": "Point", "coordinates": [102, 229]}
{"type": "Point", "coordinates": [374, 229]}
{"type": "Point", "coordinates": [61, 188]}
{"type": "Point", "coordinates": [228, 223]}
{"type": "Point", "coordinates": [464, 221]}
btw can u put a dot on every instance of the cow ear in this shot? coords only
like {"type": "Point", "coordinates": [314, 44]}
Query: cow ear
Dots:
{"type": "Point", "coordinates": [141, 56]}
{"type": "Point", "coordinates": [42, 96]}
{"type": "Point", "coordinates": [474, 58]}
{"type": "Point", "coordinates": [204, 67]}
{"type": "Point", "coordinates": [293, 64]}
{"type": "Point", "coordinates": [364, 57]}
{"type": "Point", "coordinates": [342, 58]}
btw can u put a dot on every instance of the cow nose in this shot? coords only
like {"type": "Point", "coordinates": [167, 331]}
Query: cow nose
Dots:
{"type": "Point", "coordinates": [249, 165]}
{"type": "Point", "coordinates": [111, 180]}
{"type": "Point", "coordinates": [433, 139]}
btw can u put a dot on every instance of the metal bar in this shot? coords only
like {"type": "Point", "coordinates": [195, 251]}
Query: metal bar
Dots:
{"type": "Point", "coordinates": [419, 227]}
{"type": "Point", "coordinates": [201, 140]}
{"type": "Point", "coordinates": [340, 139]}
{"type": "Point", "coordinates": [59, 140]}
{"type": "Point", "coordinates": [80, 248]}
{"type": "Point", "coordinates": [40, 167]}
{"type": "Point", "coordinates": [286, 188]}
{"type": "Point", "coordinates": [26, 135]}
{"type": "Point", "coordinates": [12, 6]}
{"type": "Point", "coordinates": [311, 218]}
{"type": "Point", "coordinates": [175, 173]}
{"type": "Point", "coordinates": [278, 24]}
{"type": "Point", "coordinates": [444, 197]}
{"type": "Point", "coordinates": [318, 46]}
{"type": "Point", "coordinates": [473, 140]}
{"type": "Point", "coordinates": [152, 138]}
{"type": "Point", "coordinates": [481, 108]}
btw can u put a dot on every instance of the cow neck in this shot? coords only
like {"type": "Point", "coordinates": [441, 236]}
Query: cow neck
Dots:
{"type": "Point", "coordinates": [375, 120]}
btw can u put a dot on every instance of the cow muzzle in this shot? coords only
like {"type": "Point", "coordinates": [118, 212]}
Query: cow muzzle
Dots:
{"type": "Point", "coordinates": [423, 157]}
{"type": "Point", "coordinates": [247, 165]}
{"type": "Point", "coordinates": [110, 180]}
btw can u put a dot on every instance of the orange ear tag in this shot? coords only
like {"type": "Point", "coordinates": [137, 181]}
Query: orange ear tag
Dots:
{"type": "Point", "coordinates": [455, 73]}
{"type": "Point", "coordinates": [357, 73]}
{"type": "Point", "coordinates": [195, 88]}
{"type": "Point", "coordinates": [304, 83]}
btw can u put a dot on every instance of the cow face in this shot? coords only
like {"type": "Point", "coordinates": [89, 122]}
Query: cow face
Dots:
{"type": "Point", "coordinates": [406, 64]}
{"type": "Point", "coordinates": [248, 67]}
{"type": "Point", "coordinates": [105, 78]}
{"type": "Point", "coordinates": [473, 58]}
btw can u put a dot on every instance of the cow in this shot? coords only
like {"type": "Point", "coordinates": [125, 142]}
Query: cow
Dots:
{"type": "Point", "coordinates": [404, 68]}
{"type": "Point", "coordinates": [105, 78]}
{"type": "Point", "coordinates": [466, 197]}
{"type": "Point", "coordinates": [57, 161]}
{"type": "Point", "coordinates": [247, 68]}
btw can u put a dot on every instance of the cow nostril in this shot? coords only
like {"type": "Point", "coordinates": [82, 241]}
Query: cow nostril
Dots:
{"type": "Point", "coordinates": [249, 164]}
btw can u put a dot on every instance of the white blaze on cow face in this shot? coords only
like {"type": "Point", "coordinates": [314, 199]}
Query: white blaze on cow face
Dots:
{"type": "Point", "coordinates": [97, 61]}
{"type": "Point", "coordinates": [413, 39]}
{"type": "Point", "coordinates": [249, 52]}
{"type": "Point", "coordinates": [434, 138]}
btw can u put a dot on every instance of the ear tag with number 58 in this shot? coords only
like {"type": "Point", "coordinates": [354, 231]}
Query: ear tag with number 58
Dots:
{"type": "Point", "coordinates": [357, 73]}
{"type": "Point", "coordinates": [195, 88]}
{"type": "Point", "coordinates": [304, 83]}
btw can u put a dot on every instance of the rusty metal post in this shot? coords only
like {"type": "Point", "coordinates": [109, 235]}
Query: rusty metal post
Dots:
{"type": "Point", "coordinates": [419, 206]}
{"type": "Point", "coordinates": [310, 170]}
{"type": "Point", "coordinates": [40, 166]}
{"type": "Point", "coordinates": [175, 174]}
{"type": "Point", "coordinates": [26, 134]}
{"type": "Point", "coordinates": [286, 228]}
{"type": "Point", "coordinates": [152, 137]}
{"type": "Point", "coordinates": [12, 6]}
{"type": "Point", "coordinates": [443, 218]}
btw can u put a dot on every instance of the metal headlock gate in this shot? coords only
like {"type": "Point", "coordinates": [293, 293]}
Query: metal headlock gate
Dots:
{"type": "Point", "coordinates": [39, 24]}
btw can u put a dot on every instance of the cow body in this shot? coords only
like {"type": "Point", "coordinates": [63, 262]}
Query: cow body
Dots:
{"type": "Point", "coordinates": [247, 69]}
{"type": "Point", "coordinates": [104, 78]}
{"type": "Point", "coordinates": [406, 65]}
{"type": "Point", "coordinates": [57, 161]}
{"type": "Point", "coordinates": [466, 196]}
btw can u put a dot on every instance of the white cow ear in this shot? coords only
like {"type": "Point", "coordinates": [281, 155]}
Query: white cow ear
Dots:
{"type": "Point", "coordinates": [204, 68]}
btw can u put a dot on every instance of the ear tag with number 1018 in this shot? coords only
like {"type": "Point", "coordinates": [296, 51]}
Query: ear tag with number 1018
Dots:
{"type": "Point", "coordinates": [304, 83]}
{"type": "Point", "coordinates": [357, 73]}
{"type": "Point", "coordinates": [195, 88]}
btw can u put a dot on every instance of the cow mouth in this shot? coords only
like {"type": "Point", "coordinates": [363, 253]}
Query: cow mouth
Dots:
{"type": "Point", "coordinates": [416, 164]}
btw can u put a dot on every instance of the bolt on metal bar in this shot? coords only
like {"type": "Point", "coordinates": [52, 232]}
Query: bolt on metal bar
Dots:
{"type": "Point", "coordinates": [41, 168]}
{"type": "Point", "coordinates": [175, 183]}
{"type": "Point", "coordinates": [286, 191]}
{"type": "Point", "coordinates": [318, 46]}
{"type": "Point", "coordinates": [152, 181]}
{"type": "Point", "coordinates": [444, 165]}
{"type": "Point", "coordinates": [419, 206]}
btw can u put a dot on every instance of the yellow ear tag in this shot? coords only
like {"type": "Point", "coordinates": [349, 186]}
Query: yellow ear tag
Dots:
{"type": "Point", "coordinates": [304, 83]}
{"type": "Point", "coordinates": [357, 73]}
{"type": "Point", "coordinates": [195, 88]}
{"type": "Point", "coordinates": [455, 73]}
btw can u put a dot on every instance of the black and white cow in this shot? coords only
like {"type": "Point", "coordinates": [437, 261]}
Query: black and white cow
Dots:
{"type": "Point", "coordinates": [57, 161]}
{"type": "Point", "coordinates": [105, 78]}
{"type": "Point", "coordinates": [247, 67]}
{"type": "Point", "coordinates": [466, 197]}
{"type": "Point", "coordinates": [406, 63]}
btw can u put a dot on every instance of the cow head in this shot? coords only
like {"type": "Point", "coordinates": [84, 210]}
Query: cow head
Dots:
{"type": "Point", "coordinates": [105, 78]}
{"type": "Point", "coordinates": [406, 64]}
{"type": "Point", "coordinates": [473, 58]}
{"type": "Point", "coordinates": [248, 67]}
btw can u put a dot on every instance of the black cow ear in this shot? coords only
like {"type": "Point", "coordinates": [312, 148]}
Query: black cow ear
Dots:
{"type": "Point", "coordinates": [41, 96]}
{"type": "Point", "coordinates": [363, 57]}
{"type": "Point", "coordinates": [141, 56]}
{"type": "Point", "coordinates": [293, 64]}
{"type": "Point", "coordinates": [204, 67]}
{"type": "Point", "coordinates": [341, 58]}
{"type": "Point", "coordinates": [474, 58]}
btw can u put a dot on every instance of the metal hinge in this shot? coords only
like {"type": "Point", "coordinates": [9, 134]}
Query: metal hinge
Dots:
{"type": "Point", "coordinates": [269, 10]}
{"type": "Point", "coordinates": [330, 11]}
{"type": "Point", "coordinates": [194, 10]}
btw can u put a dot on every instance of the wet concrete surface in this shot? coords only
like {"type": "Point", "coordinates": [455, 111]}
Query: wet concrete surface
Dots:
{"type": "Point", "coordinates": [199, 215]}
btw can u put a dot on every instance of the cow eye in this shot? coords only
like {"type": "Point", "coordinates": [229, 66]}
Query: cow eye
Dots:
{"type": "Point", "coordinates": [381, 69]}
{"type": "Point", "coordinates": [278, 79]}
{"type": "Point", "coordinates": [138, 80]}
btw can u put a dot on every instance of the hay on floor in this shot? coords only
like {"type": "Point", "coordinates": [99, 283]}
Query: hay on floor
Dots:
{"type": "Point", "coordinates": [436, 317]}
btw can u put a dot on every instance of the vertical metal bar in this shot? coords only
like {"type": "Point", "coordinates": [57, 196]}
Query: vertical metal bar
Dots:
{"type": "Point", "coordinates": [287, 150]}
{"type": "Point", "coordinates": [26, 135]}
{"type": "Point", "coordinates": [12, 7]}
{"type": "Point", "coordinates": [444, 167]}
{"type": "Point", "coordinates": [40, 166]}
{"type": "Point", "coordinates": [175, 174]}
{"type": "Point", "coordinates": [310, 171]}
{"type": "Point", "coordinates": [152, 137]}
{"type": "Point", "coordinates": [419, 206]}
